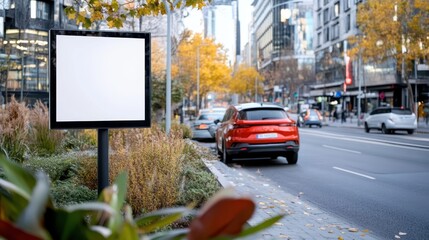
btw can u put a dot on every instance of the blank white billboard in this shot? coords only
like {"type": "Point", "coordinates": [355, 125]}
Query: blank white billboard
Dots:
{"type": "Point", "coordinates": [99, 79]}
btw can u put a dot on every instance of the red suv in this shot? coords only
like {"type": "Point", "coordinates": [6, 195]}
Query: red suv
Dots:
{"type": "Point", "coordinates": [257, 130]}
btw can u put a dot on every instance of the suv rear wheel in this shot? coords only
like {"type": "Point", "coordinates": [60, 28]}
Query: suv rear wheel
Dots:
{"type": "Point", "coordinates": [366, 128]}
{"type": "Point", "coordinates": [292, 157]}
{"type": "Point", "coordinates": [384, 129]}
{"type": "Point", "coordinates": [226, 158]}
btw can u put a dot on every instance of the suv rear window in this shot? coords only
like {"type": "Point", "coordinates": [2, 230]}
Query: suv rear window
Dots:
{"type": "Point", "coordinates": [262, 114]}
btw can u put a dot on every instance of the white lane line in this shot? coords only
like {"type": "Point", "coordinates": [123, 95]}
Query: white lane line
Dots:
{"type": "Point", "coordinates": [355, 173]}
{"type": "Point", "coordinates": [341, 149]}
{"type": "Point", "coordinates": [373, 141]}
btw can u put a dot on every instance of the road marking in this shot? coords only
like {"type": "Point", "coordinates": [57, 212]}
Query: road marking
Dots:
{"type": "Point", "coordinates": [355, 173]}
{"type": "Point", "coordinates": [371, 141]}
{"type": "Point", "coordinates": [341, 149]}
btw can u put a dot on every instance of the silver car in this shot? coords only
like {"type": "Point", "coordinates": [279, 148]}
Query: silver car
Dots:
{"type": "Point", "coordinates": [204, 124]}
{"type": "Point", "coordinates": [391, 119]}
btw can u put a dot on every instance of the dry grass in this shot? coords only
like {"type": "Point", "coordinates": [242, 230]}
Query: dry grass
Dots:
{"type": "Point", "coordinates": [43, 141]}
{"type": "Point", "coordinates": [153, 162]}
{"type": "Point", "coordinates": [14, 121]}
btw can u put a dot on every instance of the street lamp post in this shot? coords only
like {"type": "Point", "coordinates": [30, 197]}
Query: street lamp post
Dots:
{"type": "Point", "coordinates": [168, 72]}
{"type": "Point", "coordinates": [198, 80]}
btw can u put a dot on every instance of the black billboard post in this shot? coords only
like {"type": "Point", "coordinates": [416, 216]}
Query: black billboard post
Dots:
{"type": "Point", "coordinates": [99, 80]}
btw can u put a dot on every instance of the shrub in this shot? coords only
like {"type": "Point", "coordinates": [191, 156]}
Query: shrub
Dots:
{"type": "Point", "coordinates": [43, 141]}
{"type": "Point", "coordinates": [183, 129]}
{"type": "Point", "coordinates": [68, 192]}
{"type": "Point", "coordinates": [198, 184]}
{"type": "Point", "coordinates": [61, 167]}
{"type": "Point", "coordinates": [28, 213]}
{"type": "Point", "coordinates": [80, 139]}
{"type": "Point", "coordinates": [14, 120]}
{"type": "Point", "coordinates": [153, 162]}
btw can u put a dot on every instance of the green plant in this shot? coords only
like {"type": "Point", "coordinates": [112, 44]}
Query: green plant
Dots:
{"type": "Point", "coordinates": [60, 167]}
{"type": "Point", "coordinates": [68, 192]}
{"type": "Point", "coordinates": [28, 213]}
{"type": "Point", "coordinates": [198, 185]}
{"type": "Point", "coordinates": [80, 139]}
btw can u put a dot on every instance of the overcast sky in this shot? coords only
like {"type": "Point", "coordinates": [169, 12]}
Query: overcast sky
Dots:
{"type": "Point", "coordinates": [225, 24]}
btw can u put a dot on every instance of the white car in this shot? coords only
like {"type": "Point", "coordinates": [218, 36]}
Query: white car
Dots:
{"type": "Point", "coordinates": [391, 119]}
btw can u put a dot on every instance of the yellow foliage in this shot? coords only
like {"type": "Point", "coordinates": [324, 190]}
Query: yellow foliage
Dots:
{"type": "Point", "coordinates": [206, 57]}
{"type": "Point", "coordinates": [387, 26]}
{"type": "Point", "coordinates": [244, 81]}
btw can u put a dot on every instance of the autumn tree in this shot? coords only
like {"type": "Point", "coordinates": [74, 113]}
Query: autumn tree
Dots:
{"type": "Point", "coordinates": [246, 82]}
{"type": "Point", "coordinates": [393, 29]}
{"type": "Point", "coordinates": [288, 73]}
{"type": "Point", "coordinates": [115, 13]}
{"type": "Point", "coordinates": [158, 76]}
{"type": "Point", "coordinates": [202, 59]}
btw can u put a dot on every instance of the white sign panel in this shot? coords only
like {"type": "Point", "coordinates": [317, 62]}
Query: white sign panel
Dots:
{"type": "Point", "coordinates": [99, 79]}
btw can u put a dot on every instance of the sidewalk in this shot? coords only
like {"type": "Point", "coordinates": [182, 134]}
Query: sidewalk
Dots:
{"type": "Point", "coordinates": [301, 221]}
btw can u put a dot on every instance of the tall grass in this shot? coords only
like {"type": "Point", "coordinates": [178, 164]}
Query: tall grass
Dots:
{"type": "Point", "coordinates": [153, 161]}
{"type": "Point", "coordinates": [43, 141]}
{"type": "Point", "coordinates": [14, 121]}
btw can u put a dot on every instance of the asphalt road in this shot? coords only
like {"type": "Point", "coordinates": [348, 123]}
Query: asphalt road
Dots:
{"type": "Point", "coordinates": [379, 182]}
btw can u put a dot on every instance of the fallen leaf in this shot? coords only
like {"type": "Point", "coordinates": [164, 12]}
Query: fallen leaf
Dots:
{"type": "Point", "coordinates": [402, 234]}
{"type": "Point", "coordinates": [397, 237]}
{"type": "Point", "coordinates": [340, 238]}
{"type": "Point", "coordinates": [353, 230]}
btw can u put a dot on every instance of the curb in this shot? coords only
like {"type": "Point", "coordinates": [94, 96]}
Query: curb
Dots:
{"type": "Point", "coordinates": [302, 220]}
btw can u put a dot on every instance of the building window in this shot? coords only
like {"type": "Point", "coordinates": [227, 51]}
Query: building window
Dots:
{"type": "Point", "coordinates": [326, 34]}
{"type": "Point", "coordinates": [348, 23]}
{"type": "Point", "coordinates": [326, 15]}
{"type": "Point", "coordinates": [357, 1]}
{"type": "Point", "coordinates": [325, 2]}
{"type": "Point", "coordinates": [40, 10]}
{"type": "Point", "coordinates": [336, 31]}
{"type": "Point", "coordinates": [319, 4]}
{"type": "Point", "coordinates": [319, 20]}
{"type": "Point", "coordinates": [336, 9]}
{"type": "Point", "coordinates": [319, 38]}
{"type": "Point", "coordinates": [346, 5]}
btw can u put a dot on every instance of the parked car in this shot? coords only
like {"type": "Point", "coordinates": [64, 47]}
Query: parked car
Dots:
{"type": "Point", "coordinates": [391, 119]}
{"type": "Point", "coordinates": [205, 123]}
{"type": "Point", "coordinates": [257, 130]}
{"type": "Point", "coordinates": [309, 118]}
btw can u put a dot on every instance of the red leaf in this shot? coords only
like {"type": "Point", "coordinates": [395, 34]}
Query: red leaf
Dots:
{"type": "Point", "coordinates": [224, 217]}
{"type": "Point", "coordinates": [10, 232]}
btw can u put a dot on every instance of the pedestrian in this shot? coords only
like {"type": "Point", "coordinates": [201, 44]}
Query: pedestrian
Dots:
{"type": "Point", "coordinates": [343, 116]}
{"type": "Point", "coordinates": [426, 111]}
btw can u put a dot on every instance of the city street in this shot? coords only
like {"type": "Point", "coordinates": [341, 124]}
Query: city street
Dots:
{"type": "Point", "coordinates": [379, 182]}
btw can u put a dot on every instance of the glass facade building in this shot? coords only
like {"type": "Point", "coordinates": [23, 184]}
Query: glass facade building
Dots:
{"type": "Point", "coordinates": [24, 47]}
{"type": "Point", "coordinates": [283, 35]}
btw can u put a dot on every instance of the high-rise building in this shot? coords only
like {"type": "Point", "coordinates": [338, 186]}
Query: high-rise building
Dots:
{"type": "Point", "coordinates": [379, 83]}
{"type": "Point", "coordinates": [24, 46]}
{"type": "Point", "coordinates": [283, 40]}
